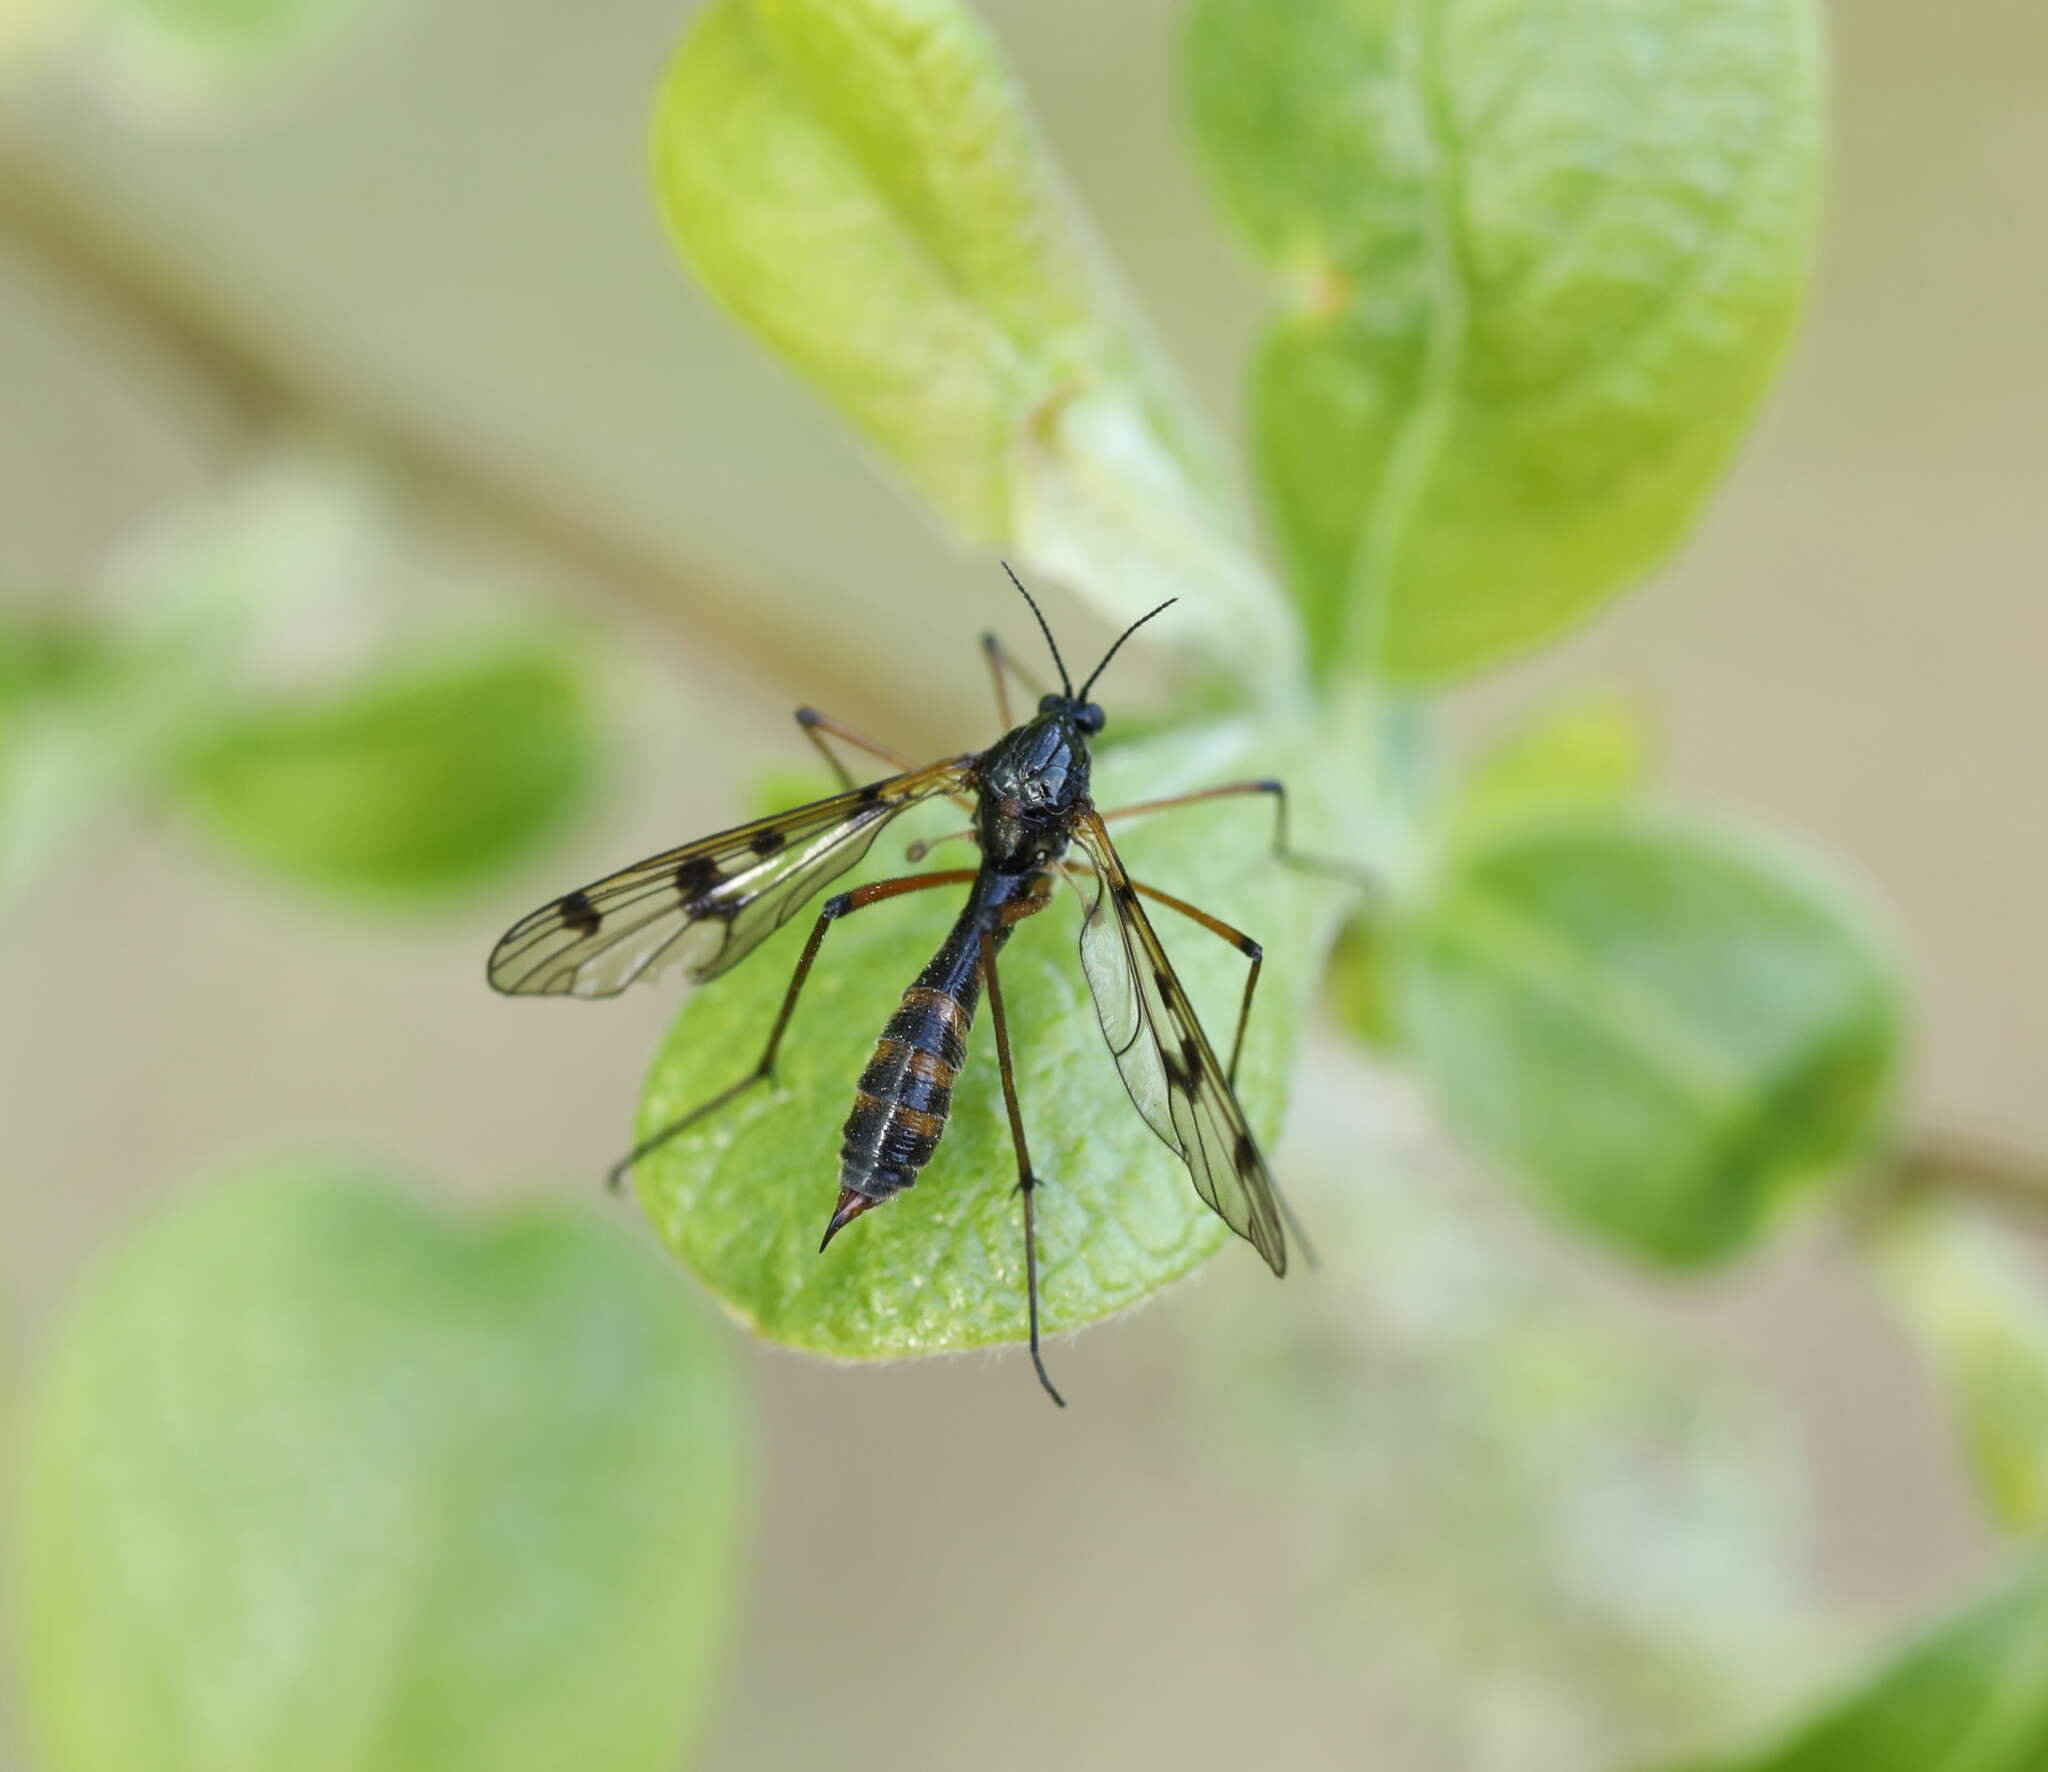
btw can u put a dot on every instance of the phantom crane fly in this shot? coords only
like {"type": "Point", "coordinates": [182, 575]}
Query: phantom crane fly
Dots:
{"type": "Point", "coordinates": [703, 908]}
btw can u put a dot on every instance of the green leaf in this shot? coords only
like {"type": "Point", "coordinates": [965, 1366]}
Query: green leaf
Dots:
{"type": "Point", "coordinates": [1543, 258]}
{"type": "Point", "coordinates": [1971, 1696]}
{"type": "Point", "coordinates": [744, 1196]}
{"type": "Point", "coordinates": [1976, 1304]}
{"type": "Point", "coordinates": [84, 721]}
{"type": "Point", "coordinates": [321, 1478]}
{"type": "Point", "coordinates": [1669, 1033]}
{"type": "Point", "coordinates": [857, 183]}
{"type": "Point", "coordinates": [420, 782]}
{"type": "Point", "coordinates": [1588, 752]}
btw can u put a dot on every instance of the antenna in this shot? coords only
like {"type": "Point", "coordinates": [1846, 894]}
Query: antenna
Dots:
{"type": "Point", "coordinates": [1120, 639]}
{"type": "Point", "coordinates": [1066, 682]}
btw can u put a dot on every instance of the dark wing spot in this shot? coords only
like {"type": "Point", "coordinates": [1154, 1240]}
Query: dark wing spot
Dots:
{"type": "Point", "coordinates": [1246, 1154]}
{"type": "Point", "coordinates": [579, 914]}
{"type": "Point", "coordinates": [871, 793]}
{"type": "Point", "coordinates": [1177, 1076]}
{"type": "Point", "coordinates": [1164, 980]}
{"type": "Point", "coordinates": [767, 842]}
{"type": "Point", "coordinates": [1124, 892]}
{"type": "Point", "coordinates": [698, 876]}
{"type": "Point", "coordinates": [1191, 1051]}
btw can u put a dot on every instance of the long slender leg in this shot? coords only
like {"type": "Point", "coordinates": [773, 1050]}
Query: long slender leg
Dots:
{"type": "Point", "coordinates": [1001, 667]}
{"type": "Point", "coordinates": [1027, 1181]}
{"type": "Point", "coordinates": [1282, 849]}
{"type": "Point", "coordinates": [841, 905]}
{"type": "Point", "coordinates": [817, 725]}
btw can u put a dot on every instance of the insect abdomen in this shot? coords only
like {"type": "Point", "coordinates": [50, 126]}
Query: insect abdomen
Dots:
{"type": "Point", "coordinates": [906, 1093]}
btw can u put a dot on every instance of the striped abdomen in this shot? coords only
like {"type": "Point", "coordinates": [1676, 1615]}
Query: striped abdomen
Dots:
{"type": "Point", "coordinates": [905, 1094]}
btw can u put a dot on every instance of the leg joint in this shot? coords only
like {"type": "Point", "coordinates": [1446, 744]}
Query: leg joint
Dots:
{"type": "Point", "coordinates": [809, 717]}
{"type": "Point", "coordinates": [837, 906]}
{"type": "Point", "coordinates": [1249, 948]}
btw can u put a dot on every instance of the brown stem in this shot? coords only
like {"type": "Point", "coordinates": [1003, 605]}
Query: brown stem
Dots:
{"type": "Point", "coordinates": [1950, 1163]}
{"type": "Point", "coordinates": [268, 394]}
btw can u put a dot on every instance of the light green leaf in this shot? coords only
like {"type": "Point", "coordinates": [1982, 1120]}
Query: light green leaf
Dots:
{"type": "Point", "coordinates": [424, 781]}
{"type": "Point", "coordinates": [1588, 752]}
{"type": "Point", "coordinates": [1543, 259]}
{"type": "Point", "coordinates": [743, 1198]}
{"type": "Point", "coordinates": [1971, 1696]}
{"type": "Point", "coordinates": [1980, 1312]}
{"type": "Point", "coordinates": [857, 183]}
{"type": "Point", "coordinates": [319, 1478]}
{"type": "Point", "coordinates": [1668, 1033]}
{"type": "Point", "coordinates": [84, 721]}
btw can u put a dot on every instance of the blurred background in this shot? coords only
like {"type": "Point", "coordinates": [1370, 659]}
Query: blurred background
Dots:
{"type": "Point", "coordinates": [419, 290]}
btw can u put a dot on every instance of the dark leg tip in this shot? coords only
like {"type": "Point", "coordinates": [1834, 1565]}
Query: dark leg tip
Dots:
{"type": "Point", "coordinates": [1045, 1381]}
{"type": "Point", "coordinates": [807, 716]}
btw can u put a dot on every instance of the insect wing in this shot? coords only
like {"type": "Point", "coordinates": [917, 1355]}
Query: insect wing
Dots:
{"type": "Point", "coordinates": [704, 907]}
{"type": "Point", "coordinates": [1164, 1057]}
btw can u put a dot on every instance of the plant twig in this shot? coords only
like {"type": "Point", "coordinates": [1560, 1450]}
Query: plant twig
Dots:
{"type": "Point", "coordinates": [1941, 1162]}
{"type": "Point", "coordinates": [268, 394]}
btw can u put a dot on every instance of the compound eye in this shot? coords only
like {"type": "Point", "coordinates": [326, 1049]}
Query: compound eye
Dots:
{"type": "Point", "coordinates": [1089, 716]}
{"type": "Point", "coordinates": [1051, 704]}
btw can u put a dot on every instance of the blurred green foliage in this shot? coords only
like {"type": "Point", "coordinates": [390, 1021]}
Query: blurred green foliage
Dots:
{"type": "Point", "coordinates": [260, 660]}
{"type": "Point", "coordinates": [1542, 260]}
{"type": "Point", "coordinates": [1551, 1538]}
{"type": "Point", "coordinates": [1971, 1696]}
{"type": "Point", "coordinates": [1666, 1031]}
{"type": "Point", "coordinates": [1588, 751]}
{"type": "Point", "coordinates": [322, 1477]}
{"type": "Point", "coordinates": [432, 778]}
{"type": "Point", "coordinates": [1972, 1296]}
{"type": "Point", "coordinates": [856, 182]}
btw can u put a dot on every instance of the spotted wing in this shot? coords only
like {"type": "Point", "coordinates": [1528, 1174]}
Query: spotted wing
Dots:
{"type": "Point", "coordinates": [1165, 1058]}
{"type": "Point", "coordinates": [704, 907]}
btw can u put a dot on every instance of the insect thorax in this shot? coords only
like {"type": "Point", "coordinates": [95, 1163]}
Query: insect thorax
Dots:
{"type": "Point", "coordinates": [1032, 782]}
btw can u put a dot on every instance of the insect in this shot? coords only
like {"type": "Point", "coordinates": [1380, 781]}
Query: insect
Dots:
{"type": "Point", "coordinates": [703, 908]}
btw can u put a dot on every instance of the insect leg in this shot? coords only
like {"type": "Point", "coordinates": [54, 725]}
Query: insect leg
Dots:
{"type": "Point", "coordinates": [817, 725]}
{"type": "Point", "coordinates": [917, 851]}
{"type": "Point", "coordinates": [1001, 667]}
{"type": "Point", "coordinates": [1283, 850]}
{"type": "Point", "coordinates": [1027, 1181]}
{"type": "Point", "coordinates": [841, 905]}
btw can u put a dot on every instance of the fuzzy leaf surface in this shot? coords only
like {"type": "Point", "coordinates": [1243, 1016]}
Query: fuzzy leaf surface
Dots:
{"type": "Point", "coordinates": [322, 1478]}
{"type": "Point", "coordinates": [1542, 257]}
{"type": "Point", "coordinates": [856, 183]}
